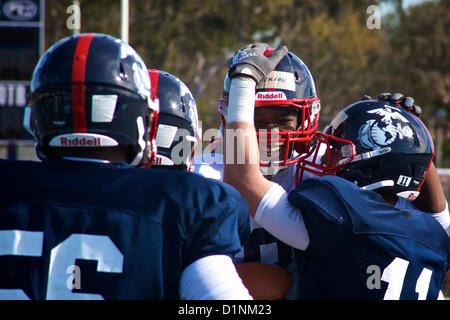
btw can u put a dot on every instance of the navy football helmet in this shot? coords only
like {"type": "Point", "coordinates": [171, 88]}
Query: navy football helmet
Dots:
{"type": "Point", "coordinates": [91, 93]}
{"type": "Point", "coordinates": [289, 85]}
{"type": "Point", "coordinates": [178, 128]}
{"type": "Point", "coordinates": [388, 149]}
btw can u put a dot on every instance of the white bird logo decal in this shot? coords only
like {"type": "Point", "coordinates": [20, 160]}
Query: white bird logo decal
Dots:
{"type": "Point", "coordinates": [380, 133]}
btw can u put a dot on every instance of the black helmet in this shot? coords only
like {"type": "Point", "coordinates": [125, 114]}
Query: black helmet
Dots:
{"type": "Point", "coordinates": [392, 148]}
{"type": "Point", "coordinates": [91, 92]}
{"type": "Point", "coordinates": [178, 127]}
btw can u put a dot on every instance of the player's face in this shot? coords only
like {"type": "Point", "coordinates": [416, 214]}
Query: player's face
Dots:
{"type": "Point", "coordinates": [276, 118]}
{"type": "Point", "coordinates": [272, 120]}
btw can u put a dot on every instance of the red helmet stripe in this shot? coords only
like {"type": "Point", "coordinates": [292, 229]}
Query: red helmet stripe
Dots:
{"type": "Point", "coordinates": [78, 78]}
{"type": "Point", "coordinates": [154, 76]}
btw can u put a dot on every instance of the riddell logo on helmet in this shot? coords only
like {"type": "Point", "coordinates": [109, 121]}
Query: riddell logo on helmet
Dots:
{"type": "Point", "coordinates": [88, 142]}
{"type": "Point", "coordinates": [82, 140]}
{"type": "Point", "coordinates": [270, 96]}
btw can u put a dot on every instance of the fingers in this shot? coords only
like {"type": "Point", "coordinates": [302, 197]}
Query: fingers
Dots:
{"type": "Point", "coordinates": [417, 111]}
{"type": "Point", "coordinates": [256, 61]}
{"type": "Point", "coordinates": [278, 54]}
{"type": "Point", "coordinates": [408, 103]}
{"type": "Point", "coordinates": [397, 98]}
{"type": "Point", "coordinates": [384, 96]}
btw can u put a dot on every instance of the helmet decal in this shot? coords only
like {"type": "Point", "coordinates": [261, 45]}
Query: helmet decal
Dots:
{"type": "Point", "coordinates": [103, 107]}
{"type": "Point", "coordinates": [275, 95]}
{"type": "Point", "coordinates": [391, 125]}
{"type": "Point", "coordinates": [82, 140]}
{"type": "Point", "coordinates": [278, 80]}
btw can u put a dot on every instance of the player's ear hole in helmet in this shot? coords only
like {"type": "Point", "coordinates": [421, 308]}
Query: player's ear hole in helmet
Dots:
{"type": "Point", "coordinates": [90, 98]}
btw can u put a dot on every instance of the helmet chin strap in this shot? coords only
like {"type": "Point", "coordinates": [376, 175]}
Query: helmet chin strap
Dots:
{"type": "Point", "coordinates": [410, 195]}
{"type": "Point", "coordinates": [379, 184]}
{"type": "Point", "coordinates": [371, 154]}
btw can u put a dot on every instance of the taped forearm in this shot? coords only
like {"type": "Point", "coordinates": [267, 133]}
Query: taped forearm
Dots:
{"type": "Point", "coordinates": [281, 219]}
{"type": "Point", "coordinates": [241, 106]}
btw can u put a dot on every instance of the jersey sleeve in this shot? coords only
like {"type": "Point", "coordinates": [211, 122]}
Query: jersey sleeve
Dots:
{"type": "Point", "coordinates": [242, 213]}
{"type": "Point", "coordinates": [442, 217]}
{"type": "Point", "coordinates": [322, 210]}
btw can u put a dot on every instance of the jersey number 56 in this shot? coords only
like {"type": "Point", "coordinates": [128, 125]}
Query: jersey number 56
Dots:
{"type": "Point", "coordinates": [63, 256]}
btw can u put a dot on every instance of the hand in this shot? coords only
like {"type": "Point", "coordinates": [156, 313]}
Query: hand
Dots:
{"type": "Point", "coordinates": [251, 61]}
{"type": "Point", "coordinates": [399, 99]}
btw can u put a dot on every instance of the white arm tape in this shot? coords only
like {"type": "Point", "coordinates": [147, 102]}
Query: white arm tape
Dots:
{"type": "Point", "coordinates": [212, 278]}
{"type": "Point", "coordinates": [281, 219]}
{"type": "Point", "coordinates": [241, 105]}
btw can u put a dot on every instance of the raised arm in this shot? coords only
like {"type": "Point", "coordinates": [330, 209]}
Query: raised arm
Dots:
{"type": "Point", "coordinates": [242, 170]}
{"type": "Point", "coordinates": [267, 201]}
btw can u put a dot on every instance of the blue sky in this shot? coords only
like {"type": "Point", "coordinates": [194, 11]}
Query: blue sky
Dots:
{"type": "Point", "coordinates": [386, 7]}
{"type": "Point", "coordinates": [407, 3]}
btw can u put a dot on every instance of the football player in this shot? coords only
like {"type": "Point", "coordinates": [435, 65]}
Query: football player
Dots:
{"type": "Point", "coordinates": [86, 222]}
{"type": "Point", "coordinates": [338, 242]}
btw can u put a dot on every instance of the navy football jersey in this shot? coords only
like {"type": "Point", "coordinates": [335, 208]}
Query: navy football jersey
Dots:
{"type": "Point", "coordinates": [363, 248]}
{"type": "Point", "coordinates": [78, 230]}
{"type": "Point", "coordinates": [261, 246]}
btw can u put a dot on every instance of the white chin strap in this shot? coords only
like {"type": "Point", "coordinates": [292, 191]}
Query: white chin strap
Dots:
{"type": "Point", "coordinates": [379, 184]}
{"type": "Point", "coordinates": [410, 195]}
